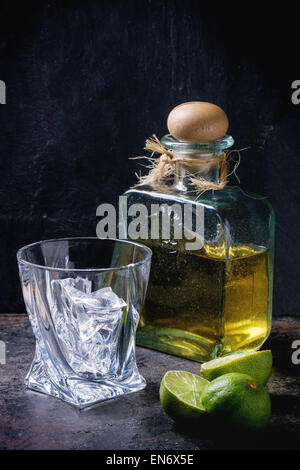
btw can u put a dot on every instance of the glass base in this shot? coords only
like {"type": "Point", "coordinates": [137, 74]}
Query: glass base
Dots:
{"type": "Point", "coordinates": [78, 391]}
{"type": "Point", "coordinates": [178, 343]}
{"type": "Point", "coordinates": [194, 347]}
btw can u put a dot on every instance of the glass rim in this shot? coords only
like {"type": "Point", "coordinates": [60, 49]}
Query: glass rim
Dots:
{"type": "Point", "coordinates": [172, 143]}
{"type": "Point", "coordinates": [147, 250]}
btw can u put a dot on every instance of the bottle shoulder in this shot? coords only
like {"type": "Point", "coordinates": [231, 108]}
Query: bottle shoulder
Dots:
{"type": "Point", "coordinates": [227, 199]}
{"type": "Point", "coordinates": [230, 217]}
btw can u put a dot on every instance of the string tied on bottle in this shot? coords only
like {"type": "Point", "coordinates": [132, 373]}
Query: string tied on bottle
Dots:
{"type": "Point", "coordinates": [163, 168]}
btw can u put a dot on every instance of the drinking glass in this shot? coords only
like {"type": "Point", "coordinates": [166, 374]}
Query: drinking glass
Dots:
{"type": "Point", "coordinates": [83, 297]}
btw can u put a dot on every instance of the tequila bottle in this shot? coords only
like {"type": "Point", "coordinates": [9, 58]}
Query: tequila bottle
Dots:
{"type": "Point", "coordinates": [217, 299]}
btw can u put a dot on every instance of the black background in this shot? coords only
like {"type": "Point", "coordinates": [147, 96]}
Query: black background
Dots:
{"type": "Point", "coordinates": [88, 81]}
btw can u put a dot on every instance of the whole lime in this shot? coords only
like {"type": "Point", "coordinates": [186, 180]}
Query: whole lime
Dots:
{"type": "Point", "coordinates": [240, 401]}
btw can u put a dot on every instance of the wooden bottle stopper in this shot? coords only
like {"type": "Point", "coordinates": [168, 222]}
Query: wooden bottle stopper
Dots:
{"type": "Point", "coordinates": [197, 121]}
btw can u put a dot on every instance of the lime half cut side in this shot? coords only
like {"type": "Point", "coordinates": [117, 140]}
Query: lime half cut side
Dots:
{"type": "Point", "coordinates": [180, 395]}
{"type": "Point", "coordinates": [257, 364]}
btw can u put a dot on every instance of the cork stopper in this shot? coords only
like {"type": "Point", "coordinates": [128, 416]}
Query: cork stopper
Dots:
{"type": "Point", "coordinates": [197, 121]}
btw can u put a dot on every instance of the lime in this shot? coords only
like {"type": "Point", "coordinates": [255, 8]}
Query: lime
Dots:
{"type": "Point", "coordinates": [180, 395]}
{"type": "Point", "coordinates": [256, 364]}
{"type": "Point", "coordinates": [237, 399]}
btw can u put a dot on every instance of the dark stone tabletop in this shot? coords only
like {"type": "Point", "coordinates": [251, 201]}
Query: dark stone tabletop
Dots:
{"type": "Point", "coordinates": [30, 420]}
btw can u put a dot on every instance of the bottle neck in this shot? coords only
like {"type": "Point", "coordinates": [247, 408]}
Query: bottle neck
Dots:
{"type": "Point", "coordinates": [203, 168]}
{"type": "Point", "coordinates": [205, 165]}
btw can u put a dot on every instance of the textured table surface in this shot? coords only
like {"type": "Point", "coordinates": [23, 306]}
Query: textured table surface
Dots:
{"type": "Point", "coordinates": [33, 421]}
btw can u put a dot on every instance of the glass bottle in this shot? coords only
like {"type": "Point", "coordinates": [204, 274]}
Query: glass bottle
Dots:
{"type": "Point", "coordinates": [218, 299]}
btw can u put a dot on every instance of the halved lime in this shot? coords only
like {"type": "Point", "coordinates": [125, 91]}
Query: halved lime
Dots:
{"type": "Point", "coordinates": [180, 395]}
{"type": "Point", "coordinates": [256, 364]}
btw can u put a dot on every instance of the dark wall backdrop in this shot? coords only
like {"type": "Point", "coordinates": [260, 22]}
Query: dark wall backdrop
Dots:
{"type": "Point", "coordinates": [88, 81]}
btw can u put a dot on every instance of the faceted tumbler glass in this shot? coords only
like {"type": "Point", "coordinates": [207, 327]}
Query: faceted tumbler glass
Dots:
{"type": "Point", "coordinates": [83, 297]}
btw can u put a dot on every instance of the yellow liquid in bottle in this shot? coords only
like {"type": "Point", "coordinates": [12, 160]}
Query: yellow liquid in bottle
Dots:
{"type": "Point", "coordinates": [205, 304]}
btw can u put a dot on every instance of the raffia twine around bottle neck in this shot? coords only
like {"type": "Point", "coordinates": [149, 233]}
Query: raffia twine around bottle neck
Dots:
{"type": "Point", "coordinates": [162, 169]}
